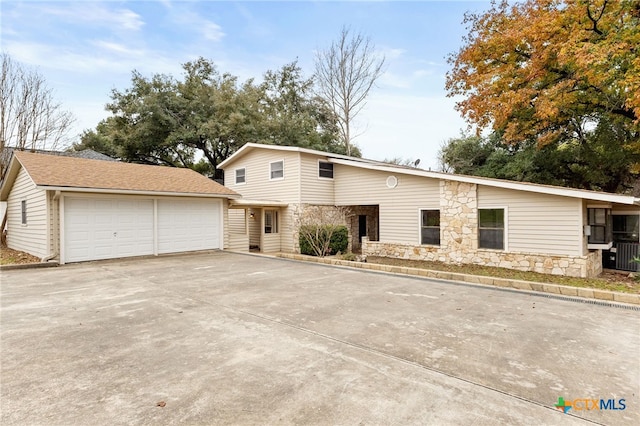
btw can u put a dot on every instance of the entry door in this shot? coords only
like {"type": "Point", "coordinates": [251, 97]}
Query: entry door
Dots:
{"type": "Point", "coordinates": [362, 227]}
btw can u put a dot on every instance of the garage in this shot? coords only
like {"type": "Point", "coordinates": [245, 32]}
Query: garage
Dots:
{"type": "Point", "coordinates": [77, 209]}
{"type": "Point", "coordinates": [108, 227]}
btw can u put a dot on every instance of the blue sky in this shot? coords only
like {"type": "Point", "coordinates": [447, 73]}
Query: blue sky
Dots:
{"type": "Point", "coordinates": [85, 49]}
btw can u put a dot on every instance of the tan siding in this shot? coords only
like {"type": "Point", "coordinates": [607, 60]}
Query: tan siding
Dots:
{"type": "Point", "coordinates": [271, 243]}
{"type": "Point", "coordinates": [258, 185]}
{"type": "Point", "coordinates": [286, 230]}
{"type": "Point", "coordinates": [32, 237]}
{"type": "Point", "coordinates": [236, 221]}
{"type": "Point", "coordinates": [399, 206]}
{"type": "Point", "coordinates": [314, 190]}
{"type": "Point", "coordinates": [537, 223]}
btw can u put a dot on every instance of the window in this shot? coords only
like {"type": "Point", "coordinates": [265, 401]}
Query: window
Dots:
{"type": "Point", "coordinates": [277, 170]}
{"type": "Point", "coordinates": [325, 170]}
{"type": "Point", "coordinates": [625, 228]}
{"type": "Point", "coordinates": [430, 227]}
{"type": "Point", "coordinates": [600, 223]}
{"type": "Point", "coordinates": [270, 221]}
{"type": "Point", "coordinates": [23, 209]}
{"type": "Point", "coordinates": [491, 229]}
{"type": "Point", "coordinates": [241, 176]}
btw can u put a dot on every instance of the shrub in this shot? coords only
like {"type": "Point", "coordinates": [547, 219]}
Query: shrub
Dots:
{"type": "Point", "coordinates": [322, 240]}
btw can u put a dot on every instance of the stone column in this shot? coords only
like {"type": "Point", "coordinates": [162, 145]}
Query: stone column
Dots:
{"type": "Point", "coordinates": [458, 221]}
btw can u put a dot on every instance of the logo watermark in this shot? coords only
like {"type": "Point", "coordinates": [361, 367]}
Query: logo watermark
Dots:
{"type": "Point", "coordinates": [580, 404]}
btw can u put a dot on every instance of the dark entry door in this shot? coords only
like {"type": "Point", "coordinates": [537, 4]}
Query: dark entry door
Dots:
{"type": "Point", "coordinates": [362, 226]}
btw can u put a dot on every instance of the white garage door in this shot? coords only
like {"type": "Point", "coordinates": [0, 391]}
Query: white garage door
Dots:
{"type": "Point", "coordinates": [106, 228]}
{"type": "Point", "coordinates": [186, 225]}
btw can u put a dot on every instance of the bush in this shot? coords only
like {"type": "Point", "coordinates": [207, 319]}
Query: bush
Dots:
{"type": "Point", "coordinates": [316, 236]}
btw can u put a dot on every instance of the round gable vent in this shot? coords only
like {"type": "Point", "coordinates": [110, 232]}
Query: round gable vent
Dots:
{"type": "Point", "coordinates": [392, 182]}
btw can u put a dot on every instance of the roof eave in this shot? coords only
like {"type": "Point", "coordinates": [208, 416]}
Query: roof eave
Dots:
{"type": "Point", "coordinates": [136, 192]}
{"type": "Point", "coordinates": [528, 187]}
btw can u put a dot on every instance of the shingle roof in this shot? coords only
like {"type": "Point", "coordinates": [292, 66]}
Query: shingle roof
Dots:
{"type": "Point", "coordinates": [71, 172]}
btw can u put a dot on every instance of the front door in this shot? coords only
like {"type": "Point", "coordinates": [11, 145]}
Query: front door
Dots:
{"type": "Point", "coordinates": [362, 227]}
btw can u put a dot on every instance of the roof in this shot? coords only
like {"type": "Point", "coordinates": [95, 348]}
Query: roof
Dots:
{"type": "Point", "coordinates": [499, 183]}
{"type": "Point", "coordinates": [80, 174]}
{"type": "Point", "coordinates": [85, 153]}
{"type": "Point", "coordinates": [248, 147]}
{"type": "Point", "coordinates": [392, 168]}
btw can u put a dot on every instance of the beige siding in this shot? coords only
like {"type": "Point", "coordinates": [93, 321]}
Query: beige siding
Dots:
{"type": "Point", "coordinates": [314, 189]}
{"type": "Point", "coordinates": [237, 221]}
{"type": "Point", "coordinates": [32, 237]}
{"type": "Point", "coordinates": [287, 226]}
{"type": "Point", "coordinates": [271, 243]}
{"type": "Point", "coordinates": [537, 223]}
{"type": "Point", "coordinates": [399, 206]}
{"type": "Point", "coordinates": [258, 185]}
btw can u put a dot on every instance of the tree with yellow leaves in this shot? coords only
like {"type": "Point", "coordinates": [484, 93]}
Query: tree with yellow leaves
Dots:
{"type": "Point", "coordinates": [551, 70]}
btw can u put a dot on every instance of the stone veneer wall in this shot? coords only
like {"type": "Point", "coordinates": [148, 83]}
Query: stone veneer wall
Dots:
{"type": "Point", "coordinates": [459, 242]}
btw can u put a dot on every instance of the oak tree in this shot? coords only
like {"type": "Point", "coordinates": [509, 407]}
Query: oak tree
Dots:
{"type": "Point", "coordinates": [551, 70]}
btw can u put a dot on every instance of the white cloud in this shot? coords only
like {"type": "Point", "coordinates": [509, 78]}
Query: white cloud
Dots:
{"type": "Point", "coordinates": [95, 14]}
{"type": "Point", "coordinates": [191, 20]}
{"type": "Point", "coordinates": [212, 31]}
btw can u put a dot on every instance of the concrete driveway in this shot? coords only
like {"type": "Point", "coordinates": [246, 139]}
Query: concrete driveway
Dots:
{"type": "Point", "coordinates": [223, 338]}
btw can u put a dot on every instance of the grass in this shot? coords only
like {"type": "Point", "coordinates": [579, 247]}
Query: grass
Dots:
{"type": "Point", "coordinates": [611, 281]}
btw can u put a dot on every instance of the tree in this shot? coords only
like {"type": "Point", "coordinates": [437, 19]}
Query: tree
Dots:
{"type": "Point", "coordinates": [30, 116]}
{"type": "Point", "coordinates": [602, 161]}
{"type": "Point", "coordinates": [551, 70]}
{"type": "Point", "coordinates": [207, 116]}
{"type": "Point", "coordinates": [345, 73]}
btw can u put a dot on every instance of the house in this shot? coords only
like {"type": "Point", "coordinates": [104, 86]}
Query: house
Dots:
{"type": "Point", "coordinates": [76, 209]}
{"type": "Point", "coordinates": [417, 214]}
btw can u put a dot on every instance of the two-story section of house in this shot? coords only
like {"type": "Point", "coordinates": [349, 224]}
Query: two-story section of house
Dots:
{"type": "Point", "coordinates": [411, 213]}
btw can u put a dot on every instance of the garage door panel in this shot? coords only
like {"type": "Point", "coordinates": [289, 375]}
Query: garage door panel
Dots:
{"type": "Point", "coordinates": [107, 228]}
{"type": "Point", "coordinates": [187, 225]}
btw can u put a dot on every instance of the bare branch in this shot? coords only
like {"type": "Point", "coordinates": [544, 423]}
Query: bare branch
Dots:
{"type": "Point", "coordinates": [345, 73]}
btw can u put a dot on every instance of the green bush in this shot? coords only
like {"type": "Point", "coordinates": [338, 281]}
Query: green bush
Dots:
{"type": "Point", "coordinates": [338, 242]}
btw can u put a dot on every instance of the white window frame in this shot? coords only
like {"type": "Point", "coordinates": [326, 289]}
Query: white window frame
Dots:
{"type": "Point", "coordinates": [275, 226]}
{"type": "Point", "coordinates": [271, 170]}
{"type": "Point", "coordinates": [23, 212]}
{"type": "Point", "coordinates": [332, 170]}
{"type": "Point", "coordinates": [505, 228]}
{"type": "Point", "coordinates": [244, 176]}
{"type": "Point", "coordinates": [420, 210]}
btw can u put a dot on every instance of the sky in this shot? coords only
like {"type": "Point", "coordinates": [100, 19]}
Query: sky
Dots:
{"type": "Point", "coordinates": [85, 49]}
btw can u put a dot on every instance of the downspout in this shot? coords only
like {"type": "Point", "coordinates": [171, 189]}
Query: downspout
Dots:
{"type": "Point", "coordinates": [56, 197]}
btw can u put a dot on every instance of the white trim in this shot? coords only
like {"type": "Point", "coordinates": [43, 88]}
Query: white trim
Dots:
{"type": "Point", "coordinates": [155, 227]}
{"type": "Point", "coordinates": [420, 210]}
{"type": "Point", "coordinates": [270, 171]}
{"type": "Point", "coordinates": [235, 176]}
{"type": "Point", "coordinates": [131, 192]}
{"type": "Point", "coordinates": [320, 160]}
{"type": "Point", "coordinates": [600, 246]}
{"type": "Point", "coordinates": [250, 146]}
{"type": "Point", "coordinates": [221, 223]}
{"type": "Point", "coordinates": [519, 186]}
{"type": "Point", "coordinates": [62, 241]}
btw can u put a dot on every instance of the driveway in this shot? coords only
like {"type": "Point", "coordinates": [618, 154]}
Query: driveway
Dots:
{"type": "Point", "coordinates": [223, 338]}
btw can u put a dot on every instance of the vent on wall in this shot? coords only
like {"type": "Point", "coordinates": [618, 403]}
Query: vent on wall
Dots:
{"type": "Point", "coordinates": [392, 182]}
